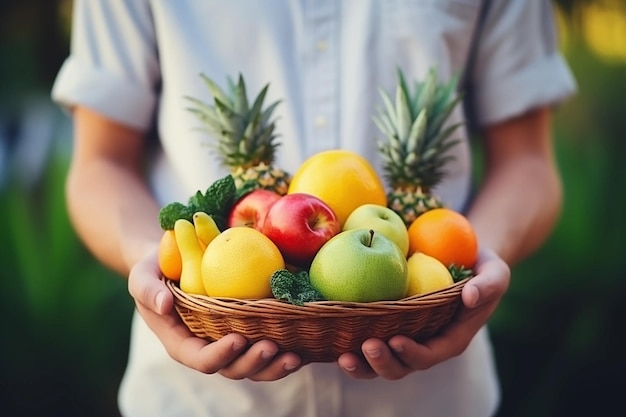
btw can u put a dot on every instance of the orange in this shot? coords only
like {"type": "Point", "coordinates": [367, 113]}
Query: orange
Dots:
{"type": "Point", "coordinates": [446, 235]}
{"type": "Point", "coordinates": [342, 179]}
{"type": "Point", "coordinates": [239, 263]}
{"type": "Point", "coordinates": [170, 261]}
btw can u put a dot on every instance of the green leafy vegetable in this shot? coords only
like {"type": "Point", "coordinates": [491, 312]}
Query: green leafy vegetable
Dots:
{"type": "Point", "coordinates": [172, 212]}
{"type": "Point", "coordinates": [216, 202]}
{"type": "Point", "coordinates": [246, 188]}
{"type": "Point", "coordinates": [459, 273]}
{"type": "Point", "coordinates": [294, 288]}
{"type": "Point", "coordinates": [220, 196]}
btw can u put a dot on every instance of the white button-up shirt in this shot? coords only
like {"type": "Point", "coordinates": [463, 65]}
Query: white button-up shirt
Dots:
{"type": "Point", "coordinates": [135, 61]}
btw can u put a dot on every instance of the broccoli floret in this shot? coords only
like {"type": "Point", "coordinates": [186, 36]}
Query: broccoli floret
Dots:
{"type": "Point", "coordinates": [172, 212]}
{"type": "Point", "coordinates": [294, 288]}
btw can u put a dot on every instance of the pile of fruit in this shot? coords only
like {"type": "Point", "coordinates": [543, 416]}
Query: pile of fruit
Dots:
{"type": "Point", "coordinates": [330, 231]}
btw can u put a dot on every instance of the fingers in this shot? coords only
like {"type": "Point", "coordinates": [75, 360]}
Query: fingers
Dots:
{"type": "Point", "coordinates": [261, 363]}
{"type": "Point", "coordinates": [490, 283]}
{"type": "Point", "coordinates": [480, 296]}
{"type": "Point", "coordinates": [402, 355]}
{"type": "Point", "coordinates": [231, 355]}
{"type": "Point", "coordinates": [392, 361]}
{"type": "Point", "coordinates": [258, 363]}
{"type": "Point", "coordinates": [280, 367]}
{"type": "Point", "coordinates": [356, 366]}
{"type": "Point", "coordinates": [228, 355]}
{"type": "Point", "coordinates": [207, 357]}
{"type": "Point", "coordinates": [378, 360]}
{"type": "Point", "coordinates": [148, 291]}
{"type": "Point", "coordinates": [399, 357]}
{"type": "Point", "coordinates": [418, 356]}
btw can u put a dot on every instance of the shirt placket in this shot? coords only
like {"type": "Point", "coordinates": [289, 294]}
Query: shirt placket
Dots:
{"type": "Point", "coordinates": [321, 75]}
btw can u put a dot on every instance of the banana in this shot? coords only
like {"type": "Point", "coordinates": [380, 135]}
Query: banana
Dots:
{"type": "Point", "coordinates": [206, 229]}
{"type": "Point", "coordinates": [191, 255]}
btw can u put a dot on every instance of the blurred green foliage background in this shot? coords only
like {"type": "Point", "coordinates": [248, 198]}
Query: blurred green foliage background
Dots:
{"type": "Point", "coordinates": [558, 334]}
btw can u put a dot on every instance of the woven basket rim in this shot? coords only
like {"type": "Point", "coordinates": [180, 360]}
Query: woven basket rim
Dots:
{"type": "Point", "coordinates": [317, 331]}
{"type": "Point", "coordinates": [264, 306]}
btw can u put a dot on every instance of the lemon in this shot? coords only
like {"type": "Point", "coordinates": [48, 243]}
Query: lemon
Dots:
{"type": "Point", "coordinates": [426, 274]}
{"type": "Point", "coordinates": [239, 263]}
{"type": "Point", "coordinates": [342, 179]}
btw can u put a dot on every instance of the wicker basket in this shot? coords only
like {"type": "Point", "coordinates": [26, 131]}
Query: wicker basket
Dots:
{"type": "Point", "coordinates": [318, 331]}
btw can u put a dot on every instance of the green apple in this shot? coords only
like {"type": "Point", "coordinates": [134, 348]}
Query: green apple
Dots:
{"type": "Point", "coordinates": [380, 219]}
{"type": "Point", "coordinates": [360, 265]}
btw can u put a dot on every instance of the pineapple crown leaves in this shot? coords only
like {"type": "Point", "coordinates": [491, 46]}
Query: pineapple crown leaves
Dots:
{"type": "Point", "coordinates": [413, 124]}
{"type": "Point", "coordinates": [244, 133]}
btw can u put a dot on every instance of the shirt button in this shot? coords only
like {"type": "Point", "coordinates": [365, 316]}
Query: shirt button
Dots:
{"type": "Point", "coordinates": [320, 121]}
{"type": "Point", "coordinates": [321, 46]}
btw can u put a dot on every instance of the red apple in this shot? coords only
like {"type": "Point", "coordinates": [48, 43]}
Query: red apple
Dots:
{"type": "Point", "coordinates": [299, 224]}
{"type": "Point", "coordinates": [250, 210]}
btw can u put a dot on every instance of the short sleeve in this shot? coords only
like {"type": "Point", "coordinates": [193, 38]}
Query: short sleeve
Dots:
{"type": "Point", "coordinates": [113, 64]}
{"type": "Point", "coordinates": [517, 63]}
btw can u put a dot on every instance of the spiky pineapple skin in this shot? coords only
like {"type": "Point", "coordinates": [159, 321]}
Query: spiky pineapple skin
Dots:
{"type": "Point", "coordinates": [267, 177]}
{"type": "Point", "coordinates": [411, 203]}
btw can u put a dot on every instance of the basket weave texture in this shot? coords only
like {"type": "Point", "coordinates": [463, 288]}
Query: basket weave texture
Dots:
{"type": "Point", "coordinates": [318, 331]}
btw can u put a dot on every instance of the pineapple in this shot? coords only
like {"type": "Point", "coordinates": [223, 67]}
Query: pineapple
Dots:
{"type": "Point", "coordinates": [245, 140]}
{"type": "Point", "coordinates": [414, 153]}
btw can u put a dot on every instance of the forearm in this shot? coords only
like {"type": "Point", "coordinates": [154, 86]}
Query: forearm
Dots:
{"type": "Point", "coordinates": [517, 209]}
{"type": "Point", "coordinates": [116, 219]}
{"type": "Point", "coordinates": [109, 204]}
{"type": "Point", "coordinates": [520, 199]}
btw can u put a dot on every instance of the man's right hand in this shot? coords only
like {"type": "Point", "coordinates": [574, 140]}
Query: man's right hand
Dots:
{"type": "Point", "coordinates": [231, 356]}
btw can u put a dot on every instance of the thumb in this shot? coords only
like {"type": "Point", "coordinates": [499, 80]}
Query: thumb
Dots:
{"type": "Point", "coordinates": [147, 288]}
{"type": "Point", "coordinates": [490, 282]}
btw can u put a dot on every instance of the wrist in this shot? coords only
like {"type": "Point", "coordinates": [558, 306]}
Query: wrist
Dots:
{"type": "Point", "coordinates": [139, 250]}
